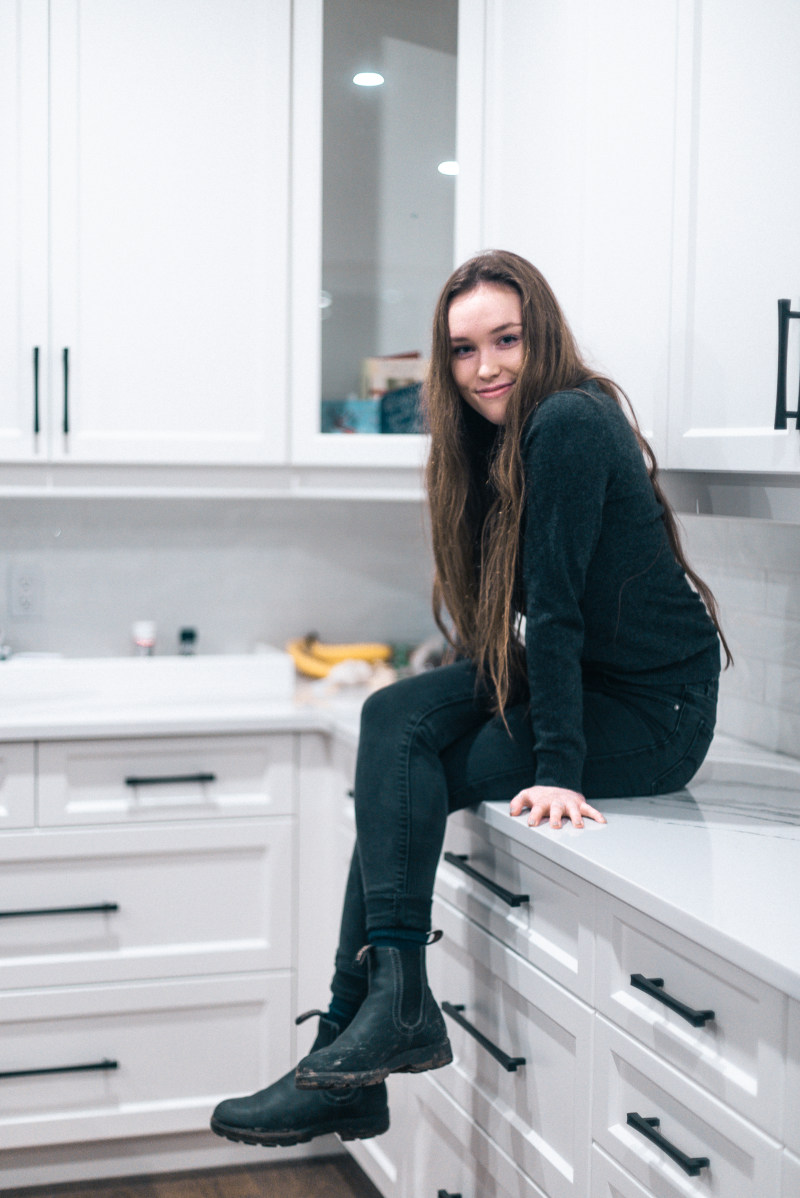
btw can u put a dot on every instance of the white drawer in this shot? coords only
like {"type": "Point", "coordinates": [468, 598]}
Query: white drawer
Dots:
{"type": "Point", "coordinates": [178, 899]}
{"type": "Point", "coordinates": [179, 1048]}
{"type": "Point", "coordinates": [17, 781]}
{"type": "Point", "coordinates": [450, 1158]}
{"type": "Point", "coordinates": [737, 1055]}
{"type": "Point", "coordinates": [609, 1181]}
{"type": "Point", "coordinates": [791, 1122]}
{"type": "Point", "coordinates": [546, 913]}
{"type": "Point", "coordinates": [629, 1080]}
{"type": "Point", "coordinates": [537, 1112]}
{"type": "Point", "coordinates": [108, 781]}
{"type": "Point", "coordinates": [791, 1176]}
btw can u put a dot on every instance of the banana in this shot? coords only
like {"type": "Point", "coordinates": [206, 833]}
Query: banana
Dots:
{"type": "Point", "coordinates": [305, 662]}
{"type": "Point", "coordinates": [371, 651]}
{"type": "Point", "coordinates": [315, 659]}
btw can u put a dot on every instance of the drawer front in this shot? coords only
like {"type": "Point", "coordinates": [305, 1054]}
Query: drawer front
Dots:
{"type": "Point", "coordinates": [448, 1157]}
{"type": "Point", "coordinates": [537, 1112]}
{"type": "Point", "coordinates": [630, 1081]}
{"type": "Point", "coordinates": [105, 905]}
{"type": "Point", "coordinates": [792, 1100]}
{"type": "Point", "coordinates": [737, 1055]}
{"type": "Point", "coordinates": [791, 1176]}
{"type": "Point", "coordinates": [17, 774]}
{"type": "Point", "coordinates": [87, 782]}
{"type": "Point", "coordinates": [609, 1181]}
{"type": "Point", "coordinates": [179, 1047]}
{"type": "Point", "coordinates": [546, 914]}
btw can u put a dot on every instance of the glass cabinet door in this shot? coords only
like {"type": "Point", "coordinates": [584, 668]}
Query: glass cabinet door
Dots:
{"type": "Point", "coordinates": [373, 221]}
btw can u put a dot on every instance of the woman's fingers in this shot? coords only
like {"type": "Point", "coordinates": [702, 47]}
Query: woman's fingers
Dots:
{"type": "Point", "coordinates": [554, 803]}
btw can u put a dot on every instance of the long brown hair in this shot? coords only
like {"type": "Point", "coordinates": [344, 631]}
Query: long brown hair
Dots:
{"type": "Point", "coordinates": [475, 529]}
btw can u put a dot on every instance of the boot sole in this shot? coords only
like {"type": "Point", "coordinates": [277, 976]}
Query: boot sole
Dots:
{"type": "Point", "coordinates": [415, 1060]}
{"type": "Point", "coordinates": [354, 1129]}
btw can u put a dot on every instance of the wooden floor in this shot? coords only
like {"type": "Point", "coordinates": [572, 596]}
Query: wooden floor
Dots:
{"type": "Point", "coordinates": [335, 1178]}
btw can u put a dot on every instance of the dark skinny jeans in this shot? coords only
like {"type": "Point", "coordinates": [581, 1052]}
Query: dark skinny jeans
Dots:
{"type": "Point", "coordinates": [429, 745]}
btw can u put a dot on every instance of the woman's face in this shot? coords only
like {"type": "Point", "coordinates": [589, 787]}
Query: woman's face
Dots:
{"type": "Point", "coordinates": [486, 350]}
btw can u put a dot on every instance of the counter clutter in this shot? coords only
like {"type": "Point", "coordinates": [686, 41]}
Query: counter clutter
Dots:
{"type": "Point", "coordinates": [152, 847]}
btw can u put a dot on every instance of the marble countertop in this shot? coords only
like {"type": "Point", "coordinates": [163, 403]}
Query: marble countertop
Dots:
{"type": "Point", "coordinates": [718, 861]}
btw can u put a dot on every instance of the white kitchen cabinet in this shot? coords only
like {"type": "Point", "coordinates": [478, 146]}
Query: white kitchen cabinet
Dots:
{"type": "Point", "coordinates": [83, 1063]}
{"type": "Point", "coordinates": [164, 778]}
{"type": "Point", "coordinates": [723, 1153]}
{"type": "Point", "coordinates": [791, 1120]}
{"type": "Point", "coordinates": [167, 191]}
{"type": "Point", "coordinates": [521, 1054]}
{"type": "Point", "coordinates": [387, 246]}
{"type": "Point", "coordinates": [23, 225]}
{"type": "Point", "coordinates": [737, 235]}
{"type": "Point", "coordinates": [578, 173]}
{"type": "Point", "coordinates": [724, 1028]}
{"type": "Point", "coordinates": [449, 1157]}
{"type": "Point", "coordinates": [791, 1175]}
{"type": "Point", "coordinates": [17, 785]}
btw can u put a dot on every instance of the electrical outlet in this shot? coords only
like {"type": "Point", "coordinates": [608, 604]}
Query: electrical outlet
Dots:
{"type": "Point", "coordinates": [26, 592]}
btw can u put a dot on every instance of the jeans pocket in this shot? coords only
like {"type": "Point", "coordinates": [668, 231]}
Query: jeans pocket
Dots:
{"type": "Point", "coordinates": [690, 756]}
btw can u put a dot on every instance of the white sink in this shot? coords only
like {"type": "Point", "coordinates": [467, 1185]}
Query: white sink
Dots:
{"type": "Point", "coordinates": [152, 681]}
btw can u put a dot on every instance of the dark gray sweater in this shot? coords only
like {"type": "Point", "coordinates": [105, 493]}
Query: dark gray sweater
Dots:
{"type": "Point", "coordinates": [603, 591]}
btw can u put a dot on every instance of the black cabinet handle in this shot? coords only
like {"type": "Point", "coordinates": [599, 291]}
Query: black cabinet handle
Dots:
{"type": "Point", "coordinates": [510, 1064]}
{"type": "Point", "coordinates": [654, 987]}
{"type": "Point", "coordinates": [649, 1129]}
{"type": "Point", "coordinates": [36, 427]}
{"type": "Point", "coordinates": [103, 908]}
{"type": "Point", "coordinates": [65, 361]}
{"type": "Point", "coordinates": [459, 860]}
{"type": "Point", "coordinates": [785, 314]}
{"type": "Point", "coordinates": [93, 1068]}
{"type": "Point", "coordinates": [168, 779]}
{"type": "Point", "coordinates": [446, 1194]}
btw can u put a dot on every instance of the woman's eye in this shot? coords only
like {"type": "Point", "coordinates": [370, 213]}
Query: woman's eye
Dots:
{"type": "Point", "coordinates": [509, 339]}
{"type": "Point", "coordinates": [461, 351]}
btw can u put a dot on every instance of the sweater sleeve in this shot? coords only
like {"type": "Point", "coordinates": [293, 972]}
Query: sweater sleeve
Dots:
{"type": "Point", "coordinates": [567, 462]}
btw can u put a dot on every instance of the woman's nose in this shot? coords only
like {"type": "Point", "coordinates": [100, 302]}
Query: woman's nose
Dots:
{"type": "Point", "coordinates": [488, 367]}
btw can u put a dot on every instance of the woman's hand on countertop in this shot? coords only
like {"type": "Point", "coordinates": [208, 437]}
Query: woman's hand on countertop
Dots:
{"type": "Point", "coordinates": [552, 801]}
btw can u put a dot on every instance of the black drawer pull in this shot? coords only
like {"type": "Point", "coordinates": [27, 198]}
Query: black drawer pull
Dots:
{"type": "Point", "coordinates": [36, 428]}
{"type": "Point", "coordinates": [785, 314]}
{"type": "Point", "coordinates": [93, 1068]}
{"type": "Point", "coordinates": [167, 780]}
{"type": "Point", "coordinates": [103, 908]}
{"type": "Point", "coordinates": [65, 366]}
{"type": "Point", "coordinates": [459, 860]}
{"type": "Point", "coordinates": [510, 1064]}
{"type": "Point", "coordinates": [649, 1129]}
{"type": "Point", "coordinates": [447, 1194]}
{"type": "Point", "coordinates": [654, 987]}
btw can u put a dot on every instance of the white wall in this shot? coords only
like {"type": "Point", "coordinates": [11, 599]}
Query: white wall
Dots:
{"type": "Point", "coordinates": [240, 571]}
{"type": "Point", "coordinates": [247, 571]}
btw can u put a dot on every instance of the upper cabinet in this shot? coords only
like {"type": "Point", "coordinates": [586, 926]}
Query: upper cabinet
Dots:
{"type": "Point", "coordinates": [578, 173]}
{"type": "Point", "coordinates": [646, 157]}
{"type": "Point", "coordinates": [159, 322]}
{"type": "Point", "coordinates": [737, 234]}
{"type": "Point", "coordinates": [373, 207]}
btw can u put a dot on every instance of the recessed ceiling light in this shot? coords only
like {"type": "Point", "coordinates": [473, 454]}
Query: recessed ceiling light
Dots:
{"type": "Point", "coordinates": [448, 168]}
{"type": "Point", "coordinates": [368, 79]}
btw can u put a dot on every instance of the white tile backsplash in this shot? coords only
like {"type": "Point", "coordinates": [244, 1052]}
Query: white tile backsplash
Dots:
{"type": "Point", "coordinates": [753, 567]}
{"type": "Point", "coordinates": [243, 571]}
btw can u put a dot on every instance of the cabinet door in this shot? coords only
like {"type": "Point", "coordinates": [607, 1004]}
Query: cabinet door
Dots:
{"type": "Point", "coordinates": [17, 785]}
{"type": "Point", "coordinates": [23, 224]}
{"type": "Point", "coordinates": [737, 234]}
{"type": "Point", "coordinates": [86, 1063]}
{"type": "Point", "coordinates": [578, 173]}
{"type": "Point", "coordinates": [169, 191]}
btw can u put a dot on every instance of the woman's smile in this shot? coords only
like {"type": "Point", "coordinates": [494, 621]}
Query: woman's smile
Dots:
{"type": "Point", "coordinates": [486, 347]}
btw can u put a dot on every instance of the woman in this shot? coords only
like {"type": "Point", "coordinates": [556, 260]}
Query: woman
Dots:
{"type": "Point", "coordinates": [544, 505]}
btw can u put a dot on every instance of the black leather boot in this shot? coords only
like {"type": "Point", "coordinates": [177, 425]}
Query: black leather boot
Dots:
{"type": "Point", "coordinates": [398, 1028]}
{"type": "Point", "coordinates": [282, 1115]}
